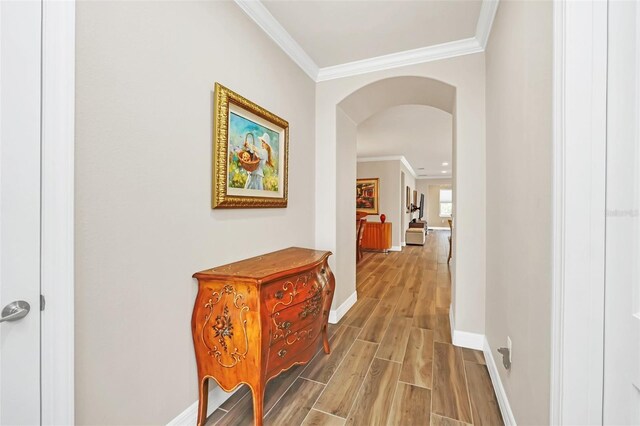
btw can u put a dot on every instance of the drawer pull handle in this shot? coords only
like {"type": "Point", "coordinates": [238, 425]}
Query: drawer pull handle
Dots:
{"type": "Point", "coordinates": [286, 324]}
{"type": "Point", "coordinates": [279, 294]}
{"type": "Point", "coordinates": [323, 271]}
{"type": "Point", "coordinates": [282, 353]}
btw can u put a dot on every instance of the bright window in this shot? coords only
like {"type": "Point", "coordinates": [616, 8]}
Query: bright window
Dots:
{"type": "Point", "coordinates": [446, 203]}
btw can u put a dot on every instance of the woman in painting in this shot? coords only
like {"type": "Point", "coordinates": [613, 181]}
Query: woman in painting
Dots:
{"type": "Point", "coordinates": [263, 153]}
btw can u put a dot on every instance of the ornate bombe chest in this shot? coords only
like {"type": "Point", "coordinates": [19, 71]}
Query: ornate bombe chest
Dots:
{"type": "Point", "coordinates": [256, 318]}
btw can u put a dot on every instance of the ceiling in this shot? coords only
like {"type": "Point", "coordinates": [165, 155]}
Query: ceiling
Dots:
{"type": "Point", "coordinates": [422, 134]}
{"type": "Point", "coordinates": [331, 39]}
{"type": "Point", "coordinates": [337, 32]}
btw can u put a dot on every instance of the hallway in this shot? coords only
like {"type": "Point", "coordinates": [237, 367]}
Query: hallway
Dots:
{"type": "Point", "coordinates": [392, 361]}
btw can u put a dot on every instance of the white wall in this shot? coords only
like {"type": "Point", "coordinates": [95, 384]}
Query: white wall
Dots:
{"type": "Point", "coordinates": [466, 73]}
{"type": "Point", "coordinates": [420, 133]}
{"type": "Point", "coordinates": [145, 73]}
{"type": "Point", "coordinates": [621, 402]}
{"type": "Point", "coordinates": [388, 173]}
{"type": "Point", "coordinates": [409, 181]}
{"type": "Point", "coordinates": [519, 201]}
{"type": "Point", "coordinates": [345, 265]}
{"type": "Point", "coordinates": [392, 193]}
{"type": "Point", "coordinates": [431, 190]}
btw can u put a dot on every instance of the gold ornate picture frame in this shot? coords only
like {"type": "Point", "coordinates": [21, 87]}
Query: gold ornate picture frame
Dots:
{"type": "Point", "coordinates": [250, 154]}
{"type": "Point", "coordinates": [367, 195]}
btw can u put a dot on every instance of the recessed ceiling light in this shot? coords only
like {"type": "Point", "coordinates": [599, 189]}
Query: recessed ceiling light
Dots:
{"type": "Point", "coordinates": [444, 171]}
{"type": "Point", "coordinates": [445, 164]}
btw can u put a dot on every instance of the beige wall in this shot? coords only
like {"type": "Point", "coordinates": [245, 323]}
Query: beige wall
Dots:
{"type": "Point", "coordinates": [344, 269]}
{"type": "Point", "coordinates": [409, 181]}
{"type": "Point", "coordinates": [519, 195]}
{"type": "Point", "coordinates": [466, 74]}
{"type": "Point", "coordinates": [431, 190]}
{"type": "Point", "coordinates": [144, 78]}
{"type": "Point", "coordinates": [391, 193]}
{"type": "Point", "coordinates": [388, 173]}
{"type": "Point", "coordinates": [420, 133]}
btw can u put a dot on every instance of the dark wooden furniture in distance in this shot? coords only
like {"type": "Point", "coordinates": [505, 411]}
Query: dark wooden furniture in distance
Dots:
{"type": "Point", "coordinates": [361, 224]}
{"type": "Point", "coordinates": [377, 236]}
{"type": "Point", "coordinates": [256, 318]}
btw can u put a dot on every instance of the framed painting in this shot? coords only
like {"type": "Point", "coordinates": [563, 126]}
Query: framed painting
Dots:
{"type": "Point", "coordinates": [250, 154]}
{"type": "Point", "coordinates": [367, 195]}
{"type": "Point", "coordinates": [407, 199]}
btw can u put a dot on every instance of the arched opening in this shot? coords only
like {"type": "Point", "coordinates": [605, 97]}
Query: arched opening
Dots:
{"type": "Point", "coordinates": [355, 109]}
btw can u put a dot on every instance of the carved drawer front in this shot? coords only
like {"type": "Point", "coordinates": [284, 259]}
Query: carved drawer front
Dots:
{"type": "Point", "coordinates": [287, 349]}
{"type": "Point", "coordinates": [287, 321]}
{"type": "Point", "coordinates": [224, 334]}
{"type": "Point", "coordinates": [284, 293]}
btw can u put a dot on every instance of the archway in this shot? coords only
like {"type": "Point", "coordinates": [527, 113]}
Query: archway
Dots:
{"type": "Point", "coordinates": [350, 112]}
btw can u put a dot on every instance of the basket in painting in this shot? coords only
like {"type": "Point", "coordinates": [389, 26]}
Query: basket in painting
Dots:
{"type": "Point", "coordinates": [247, 160]}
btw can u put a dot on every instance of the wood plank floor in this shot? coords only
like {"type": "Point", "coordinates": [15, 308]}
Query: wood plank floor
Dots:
{"type": "Point", "coordinates": [392, 361]}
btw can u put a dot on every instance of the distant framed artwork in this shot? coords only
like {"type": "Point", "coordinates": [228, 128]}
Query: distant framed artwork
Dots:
{"type": "Point", "coordinates": [250, 154]}
{"type": "Point", "coordinates": [407, 199]}
{"type": "Point", "coordinates": [367, 195]}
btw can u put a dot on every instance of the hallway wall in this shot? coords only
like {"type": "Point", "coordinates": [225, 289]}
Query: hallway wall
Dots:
{"type": "Point", "coordinates": [466, 73]}
{"type": "Point", "coordinates": [519, 201]}
{"type": "Point", "coordinates": [409, 181]}
{"type": "Point", "coordinates": [391, 194]}
{"type": "Point", "coordinates": [345, 207]}
{"type": "Point", "coordinates": [144, 79]}
{"type": "Point", "coordinates": [431, 190]}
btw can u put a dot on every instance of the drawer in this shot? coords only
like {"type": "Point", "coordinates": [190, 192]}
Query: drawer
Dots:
{"type": "Point", "coordinates": [283, 323]}
{"type": "Point", "coordinates": [290, 291]}
{"type": "Point", "coordinates": [287, 350]}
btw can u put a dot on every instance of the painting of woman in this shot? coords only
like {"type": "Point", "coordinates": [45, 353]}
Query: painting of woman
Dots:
{"type": "Point", "coordinates": [250, 154]}
{"type": "Point", "coordinates": [263, 153]}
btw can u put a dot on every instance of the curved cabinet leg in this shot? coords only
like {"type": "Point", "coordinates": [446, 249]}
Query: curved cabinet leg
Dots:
{"type": "Point", "coordinates": [257, 392]}
{"type": "Point", "coordinates": [325, 340]}
{"type": "Point", "coordinates": [203, 400]}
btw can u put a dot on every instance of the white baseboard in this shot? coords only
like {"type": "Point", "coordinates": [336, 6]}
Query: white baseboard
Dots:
{"type": "Point", "coordinates": [479, 342]}
{"type": "Point", "coordinates": [189, 416]}
{"type": "Point", "coordinates": [336, 314]}
{"type": "Point", "coordinates": [404, 243]}
{"type": "Point", "coordinates": [465, 339]}
{"type": "Point", "coordinates": [503, 401]}
{"type": "Point", "coordinates": [395, 248]}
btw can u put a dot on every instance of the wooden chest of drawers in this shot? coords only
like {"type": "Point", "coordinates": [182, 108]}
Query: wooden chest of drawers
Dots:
{"type": "Point", "coordinates": [377, 236]}
{"type": "Point", "coordinates": [256, 318]}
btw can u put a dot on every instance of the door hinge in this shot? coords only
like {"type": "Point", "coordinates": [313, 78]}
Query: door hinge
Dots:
{"type": "Point", "coordinates": [42, 302]}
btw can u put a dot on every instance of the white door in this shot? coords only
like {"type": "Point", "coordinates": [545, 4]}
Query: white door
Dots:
{"type": "Point", "coordinates": [622, 280]}
{"type": "Point", "coordinates": [20, 58]}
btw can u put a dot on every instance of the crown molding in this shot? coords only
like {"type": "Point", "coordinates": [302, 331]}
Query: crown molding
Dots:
{"type": "Point", "coordinates": [485, 21]}
{"type": "Point", "coordinates": [400, 158]}
{"type": "Point", "coordinates": [435, 177]}
{"type": "Point", "coordinates": [401, 59]}
{"type": "Point", "coordinates": [265, 20]}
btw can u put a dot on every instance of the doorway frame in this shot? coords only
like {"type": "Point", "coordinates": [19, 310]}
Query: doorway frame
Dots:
{"type": "Point", "coordinates": [577, 323]}
{"type": "Point", "coordinates": [579, 97]}
{"type": "Point", "coordinates": [57, 214]}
